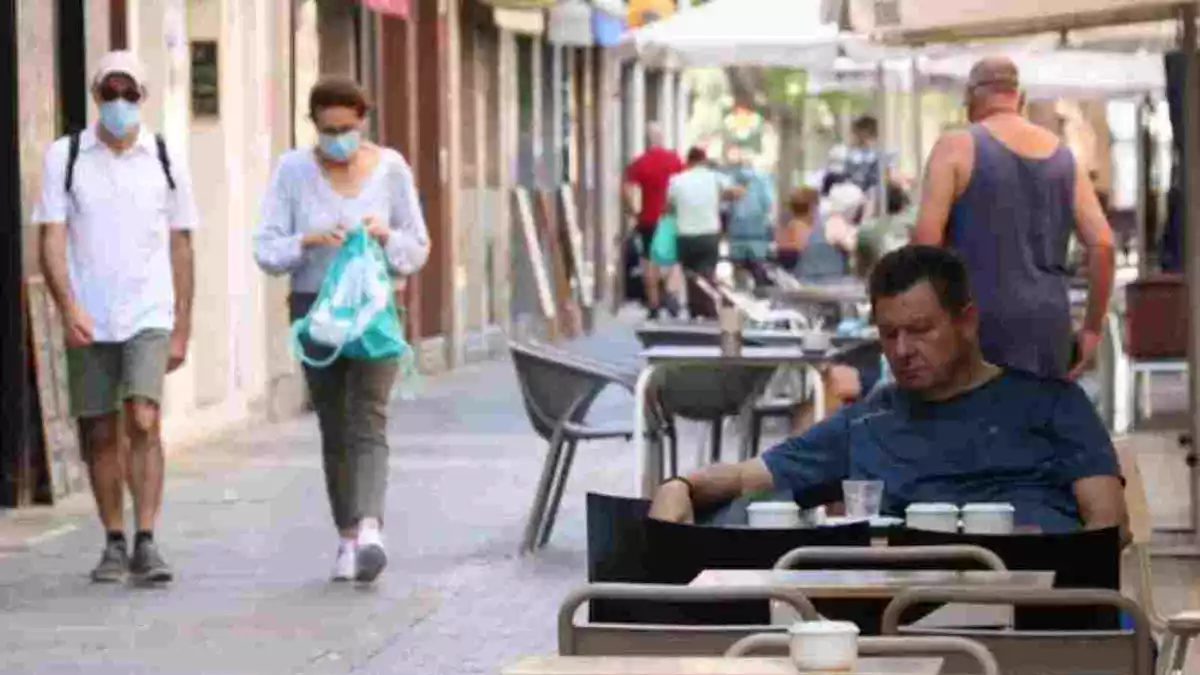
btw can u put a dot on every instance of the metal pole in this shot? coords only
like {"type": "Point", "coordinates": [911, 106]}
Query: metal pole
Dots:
{"type": "Point", "coordinates": [14, 357]}
{"type": "Point", "coordinates": [1143, 186]}
{"type": "Point", "coordinates": [884, 125]}
{"type": "Point", "coordinates": [918, 127]}
{"type": "Point", "coordinates": [1191, 209]}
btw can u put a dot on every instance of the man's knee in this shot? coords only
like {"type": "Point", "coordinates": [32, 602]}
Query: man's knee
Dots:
{"type": "Point", "coordinates": [142, 420]}
{"type": "Point", "coordinates": [101, 435]}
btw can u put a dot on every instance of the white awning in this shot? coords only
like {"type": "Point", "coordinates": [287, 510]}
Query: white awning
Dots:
{"type": "Point", "coordinates": [1066, 73]}
{"type": "Point", "coordinates": [570, 24]}
{"type": "Point", "coordinates": [786, 33]}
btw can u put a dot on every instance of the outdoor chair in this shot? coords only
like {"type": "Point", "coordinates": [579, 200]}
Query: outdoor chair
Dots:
{"type": "Point", "coordinates": [1053, 652]}
{"type": "Point", "coordinates": [866, 613]}
{"type": "Point", "coordinates": [626, 546]}
{"type": "Point", "coordinates": [774, 644]}
{"type": "Point", "coordinates": [1132, 376]}
{"type": "Point", "coordinates": [584, 637]}
{"type": "Point", "coordinates": [558, 390]}
{"type": "Point", "coordinates": [1086, 559]}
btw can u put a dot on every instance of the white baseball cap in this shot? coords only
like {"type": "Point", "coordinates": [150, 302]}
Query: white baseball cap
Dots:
{"type": "Point", "coordinates": [120, 63]}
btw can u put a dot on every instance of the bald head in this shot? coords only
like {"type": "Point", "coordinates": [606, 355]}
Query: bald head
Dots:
{"type": "Point", "coordinates": [993, 86]}
{"type": "Point", "coordinates": [654, 134]}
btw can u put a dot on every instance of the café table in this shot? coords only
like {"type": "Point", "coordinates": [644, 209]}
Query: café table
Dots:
{"type": "Point", "coordinates": [870, 584]}
{"type": "Point", "coordinates": [649, 469]}
{"type": "Point", "coordinates": [690, 665]}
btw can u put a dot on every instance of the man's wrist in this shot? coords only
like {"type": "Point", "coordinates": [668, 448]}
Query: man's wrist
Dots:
{"type": "Point", "coordinates": [682, 482]}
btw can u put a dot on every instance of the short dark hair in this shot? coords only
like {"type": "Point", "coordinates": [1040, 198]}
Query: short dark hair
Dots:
{"type": "Point", "coordinates": [697, 156]}
{"type": "Point", "coordinates": [338, 92]}
{"type": "Point", "coordinates": [867, 125]}
{"type": "Point", "coordinates": [897, 199]}
{"type": "Point", "coordinates": [902, 269]}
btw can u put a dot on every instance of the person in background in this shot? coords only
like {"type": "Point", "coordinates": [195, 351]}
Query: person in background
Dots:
{"type": "Point", "coordinates": [116, 216]}
{"type": "Point", "coordinates": [1007, 194]}
{"type": "Point", "coordinates": [792, 238]}
{"type": "Point", "coordinates": [934, 435]}
{"type": "Point", "coordinates": [645, 199]}
{"type": "Point", "coordinates": [696, 195]}
{"type": "Point", "coordinates": [862, 158]}
{"type": "Point", "coordinates": [749, 225]}
{"type": "Point", "coordinates": [316, 195]}
{"type": "Point", "coordinates": [827, 254]}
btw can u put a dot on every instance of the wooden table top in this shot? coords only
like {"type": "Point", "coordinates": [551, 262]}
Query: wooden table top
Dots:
{"type": "Point", "coordinates": [688, 665]}
{"type": "Point", "coordinates": [869, 584]}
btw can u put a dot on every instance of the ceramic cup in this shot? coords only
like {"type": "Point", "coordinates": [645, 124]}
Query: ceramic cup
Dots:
{"type": "Point", "coordinates": [989, 518]}
{"type": "Point", "coordinates": [774, 515]}
{"type": "Point", "coordinates": [824, 645]}
{"type": "Point", "coordinates": [932, 516]}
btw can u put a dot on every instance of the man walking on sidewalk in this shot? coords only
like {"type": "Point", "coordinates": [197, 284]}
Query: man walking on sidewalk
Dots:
{"type": "Point", "coordinates": [116, 215]}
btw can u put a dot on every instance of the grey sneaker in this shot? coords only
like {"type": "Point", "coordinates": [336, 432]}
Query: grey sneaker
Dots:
{"type": "Point", "coordinates": [148, 566]}
{"type": "Point", "coordinates": [114, 564]}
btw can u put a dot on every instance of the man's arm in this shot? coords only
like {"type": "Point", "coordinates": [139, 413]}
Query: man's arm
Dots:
{"type": "Point", "coordinates": [716, 484]}
{"type": "Point", "coordinates": [1101, 502]}
{"type": "Point", "coordinates": [51, 213]}
{"type": "Point", "coordinates": [1092, 228]}
{"type": "Point", "coordinates": [943, 176]}
{"type": "Point", "coordinates": [184, 279]}
{"type": "Point", "coordinates": [818, 457]}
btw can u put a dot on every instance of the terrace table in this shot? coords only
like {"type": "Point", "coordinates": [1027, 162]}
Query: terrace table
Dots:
{"type": "Point", "coordinates": [690, 665]}
{"type": "Point", "coordinates": [870, 584]}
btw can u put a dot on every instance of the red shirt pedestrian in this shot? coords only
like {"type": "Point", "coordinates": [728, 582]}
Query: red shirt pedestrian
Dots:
{"type": "Point", "coordinates": [652, 173]}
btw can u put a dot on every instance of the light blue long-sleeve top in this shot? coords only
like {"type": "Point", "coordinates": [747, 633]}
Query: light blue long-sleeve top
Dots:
{"type": "Point", "coordinates": [301, 201]}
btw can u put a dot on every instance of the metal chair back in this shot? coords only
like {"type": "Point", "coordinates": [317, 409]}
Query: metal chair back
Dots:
{"type": "Point", "coordinates": [774, 644]}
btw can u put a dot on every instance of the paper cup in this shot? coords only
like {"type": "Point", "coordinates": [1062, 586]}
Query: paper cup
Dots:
{"type": "Point", "coordinates": [992, 518]}
{"type": "Point", "coordinates": [774, 515]}
{"type": "Point", "coordinates": [824, 645]}
{"type": "Point", "coordinates": [932, 516]}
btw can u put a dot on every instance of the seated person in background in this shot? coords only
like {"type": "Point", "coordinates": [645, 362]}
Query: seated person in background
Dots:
{"type": "Point", "coordinates": [954, 428]}
{"type": "Point", "coordinates": [792, 237]}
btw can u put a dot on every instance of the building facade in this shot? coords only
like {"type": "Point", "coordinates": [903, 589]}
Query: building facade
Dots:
{"type": "Point", "coordinates": [494, 113]}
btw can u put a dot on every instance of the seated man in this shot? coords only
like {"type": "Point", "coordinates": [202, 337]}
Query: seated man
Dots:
{"type": "Point", "coordinates": [953, 428]}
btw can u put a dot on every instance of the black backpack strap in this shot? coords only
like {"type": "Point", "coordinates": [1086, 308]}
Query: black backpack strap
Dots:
{"type": "Point", "coordinates": [72, 158]}
{"type": "Point", "coordinates": [165, 160]}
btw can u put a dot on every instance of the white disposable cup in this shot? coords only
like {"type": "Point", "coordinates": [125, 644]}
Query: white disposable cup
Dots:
{"type": "Point", "coordinates": [932, 516]}
{"type": "Point", "coordinates": [824, 645]}
{"type": "Point", "coordinates": [774, 515]}
{"type": "Point", "coordinates": [863, 498]}
{"type": "Point", "coordinates": [817, 341]}
{"type": "Point", "coordinates": [988, 518]}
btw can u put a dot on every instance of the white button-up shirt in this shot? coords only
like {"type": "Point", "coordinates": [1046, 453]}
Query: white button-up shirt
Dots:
{"type": "Point", "coordinates": [119, 216]}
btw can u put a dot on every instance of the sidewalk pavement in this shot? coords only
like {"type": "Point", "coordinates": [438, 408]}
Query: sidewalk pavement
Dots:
{"type": "Point", "coordinates": [247, 526]}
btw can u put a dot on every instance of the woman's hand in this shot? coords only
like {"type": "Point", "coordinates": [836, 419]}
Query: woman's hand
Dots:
{"type": "Point", "coordinates": [378, 230]}
{"type": "Point", "coordinates": [334, 237]}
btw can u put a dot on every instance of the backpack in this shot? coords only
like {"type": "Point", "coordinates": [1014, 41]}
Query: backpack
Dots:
{"type": "Point", "coordinates": [73, 156]}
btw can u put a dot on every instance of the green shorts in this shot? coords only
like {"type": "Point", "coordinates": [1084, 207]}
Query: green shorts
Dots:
{"type": "Point", "coordinates": [106, 374]}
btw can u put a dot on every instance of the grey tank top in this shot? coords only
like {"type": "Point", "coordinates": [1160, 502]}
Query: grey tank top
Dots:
{"type": "Point", "coordinates": [1011, 226]}
{"type": "Point", "coordinates": [820, 259]}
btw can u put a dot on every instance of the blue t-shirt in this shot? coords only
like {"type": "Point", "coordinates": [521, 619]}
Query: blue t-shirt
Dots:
{"type": "Point", "coordinates": [1019, 438]}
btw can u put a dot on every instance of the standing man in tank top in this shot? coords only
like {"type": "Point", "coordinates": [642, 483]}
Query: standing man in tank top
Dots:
{"type": "Point", "coordinates": [1006, 194]}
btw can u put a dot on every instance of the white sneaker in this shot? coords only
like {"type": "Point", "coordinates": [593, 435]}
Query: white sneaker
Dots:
{"type": "Point", "coordinates": [346, 565]}
{"type": "Point", "coordinates": [371, 556]}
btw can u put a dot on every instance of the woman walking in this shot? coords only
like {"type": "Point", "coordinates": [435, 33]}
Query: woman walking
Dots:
{"type": "Point", "coordinates": [316, 196]}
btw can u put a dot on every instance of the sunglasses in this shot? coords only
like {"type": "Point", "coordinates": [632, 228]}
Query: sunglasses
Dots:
{"type": "Point", "coordinates": [110, 94]}
{"type": "Point", "coordinates": [337, 131]}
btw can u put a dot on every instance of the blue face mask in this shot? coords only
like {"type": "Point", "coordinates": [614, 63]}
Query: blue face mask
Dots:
{"type": "Point", "coordinates": [120, 117]}
{"type": "Point", "coordinates": [340, 147]}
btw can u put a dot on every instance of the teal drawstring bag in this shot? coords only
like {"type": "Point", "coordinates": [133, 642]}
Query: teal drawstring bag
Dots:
{"type": "Point", "coordinates": [355, 315]}
{"type": "Point", "coordinates": [664, 246]}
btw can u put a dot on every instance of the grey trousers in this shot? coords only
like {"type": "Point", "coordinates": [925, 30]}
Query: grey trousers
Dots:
{"type": "Point", "coordinates": [351, 401]}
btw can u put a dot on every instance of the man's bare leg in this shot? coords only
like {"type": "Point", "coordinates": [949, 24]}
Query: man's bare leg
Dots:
{"type": "Point", "coordinates": [142, 423]}
{"type": "Point", "coordinates": [650, 280]}
{"type": "Point", "coordinates": [101, 438]}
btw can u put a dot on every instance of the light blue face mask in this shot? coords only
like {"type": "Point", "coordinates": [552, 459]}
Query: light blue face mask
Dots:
{"type": "Point", "coordinates": [340, 147]}
{"type": "Point", "coordinates": [120, 117]}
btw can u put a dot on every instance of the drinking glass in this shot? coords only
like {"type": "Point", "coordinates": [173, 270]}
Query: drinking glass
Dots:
{"type": "Point", "coordinates": [863, 498]}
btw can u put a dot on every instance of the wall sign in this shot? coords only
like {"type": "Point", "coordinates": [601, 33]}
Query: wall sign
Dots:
{"type": "Point", "coordinates": [206, 93]}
